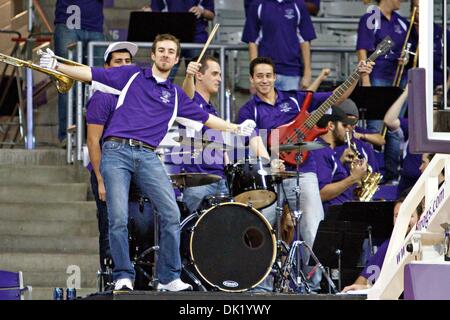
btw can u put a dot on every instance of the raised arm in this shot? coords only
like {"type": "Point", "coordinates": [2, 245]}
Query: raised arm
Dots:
{"type": "Point", "coordinates": [391, 117]}
{"type": "Point", "coordinates": [322, 77]}
{"type": "Point", "coordinates": [363, 69]}
{"type": "Point", "coordinates": [362, 56]}
{"type": "Point", "coordinates": [188, 82]}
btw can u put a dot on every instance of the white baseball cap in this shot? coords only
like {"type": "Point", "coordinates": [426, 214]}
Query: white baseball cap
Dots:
{"type": "Point", "coordinates": [130, 46]}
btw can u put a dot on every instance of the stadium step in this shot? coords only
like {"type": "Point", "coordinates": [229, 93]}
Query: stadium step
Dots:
{"type": "Point", "coordinates": [32, 211]}
{"type": "Point", "coordinates": [49, 228]}
{"type": "Point", "coordinates": [28, 243]}
{"type": "Point", "coordinates": [57, 192]}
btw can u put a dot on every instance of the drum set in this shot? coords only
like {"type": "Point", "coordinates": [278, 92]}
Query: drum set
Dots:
{"type": "Point", "coordinates": [227, 244]}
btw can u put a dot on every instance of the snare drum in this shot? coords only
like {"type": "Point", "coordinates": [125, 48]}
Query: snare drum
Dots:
{"type": "Point", "coordinates": [251, 183]}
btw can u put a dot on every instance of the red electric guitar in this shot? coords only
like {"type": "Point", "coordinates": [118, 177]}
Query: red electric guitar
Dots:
{"type": "Point", "coordinates": [303, 128]}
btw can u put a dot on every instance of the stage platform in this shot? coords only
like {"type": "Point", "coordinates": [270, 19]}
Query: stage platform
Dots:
{"type": "Point", "coordinates": [216, 296]}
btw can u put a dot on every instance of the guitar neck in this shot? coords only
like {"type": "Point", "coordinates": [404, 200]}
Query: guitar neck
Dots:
{"type": "Point", "coordinates": [337, 94]}
{"type": "Point", "coordinates": [331, 101]}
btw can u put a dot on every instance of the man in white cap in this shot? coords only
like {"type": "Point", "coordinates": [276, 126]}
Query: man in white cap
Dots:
{"type": "Point", "coordinates": [100, 108]}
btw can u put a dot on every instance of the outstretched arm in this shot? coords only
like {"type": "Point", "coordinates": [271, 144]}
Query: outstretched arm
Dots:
{"type": "Point", "coordinates": [244, 129]}
{"type": "Point", "coordinates": [49, 61]}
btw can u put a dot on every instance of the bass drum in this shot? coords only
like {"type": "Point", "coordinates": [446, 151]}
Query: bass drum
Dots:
{"type": "Point", "coordinates": [232, 246]}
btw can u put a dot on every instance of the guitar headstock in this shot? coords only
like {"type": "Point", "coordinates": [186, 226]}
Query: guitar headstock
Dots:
{"type": "Point", "coordinates": [382, 48]}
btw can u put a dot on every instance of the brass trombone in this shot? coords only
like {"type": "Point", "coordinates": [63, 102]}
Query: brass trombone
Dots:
{"type": "Point", "coordinates": [63, 82]}
{"type": "Point", "coordinates": [406, 51]}
{"type": "Point", "coordinates": [40, 52]}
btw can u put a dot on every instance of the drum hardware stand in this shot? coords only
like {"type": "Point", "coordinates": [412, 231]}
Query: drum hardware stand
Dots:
{"type": "Point", "coordinates": [140, 261]}
{"type": "Point", "coordinates": [280, 269]}
{"type": "Point", "coordinates": [104, 278]}
{"type": "Point", "coordinates": [294, 254]}
{"type": "Point", "coordinates": [294, 251]}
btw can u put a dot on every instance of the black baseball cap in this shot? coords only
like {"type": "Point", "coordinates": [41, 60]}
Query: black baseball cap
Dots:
{"type": "Point", "coordinates": [334, 114]}
{"type": "Point", "coordinates": [350, 109]}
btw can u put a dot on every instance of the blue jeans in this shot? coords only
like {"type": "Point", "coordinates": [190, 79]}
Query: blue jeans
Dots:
{"type": "Point", "coordinates": [287, 83]}
{"type": "Point", "coordinates": [193, 196]}
{"type": "Point", "coordinates": [64, 36]}
{"type": "Point", "coordinates": [119, 163]}
{"type": "Point", "coordinates": [393, 139]}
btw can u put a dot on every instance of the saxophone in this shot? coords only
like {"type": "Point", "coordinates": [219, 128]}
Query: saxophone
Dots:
{"type": "Point", "coordinates": [369, 184]}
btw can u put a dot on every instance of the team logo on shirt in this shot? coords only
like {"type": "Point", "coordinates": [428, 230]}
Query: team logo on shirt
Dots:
{"type": "Point", "coordinates": [289, 13]}
{"type": "Point", "coordinates": [165, 96]}
{"type": "Point", "coordinates": [386, 56]}
{"type": "Point", "coordinates": [285, 107]}
{"type": "Point", "coordinates": [398, 29]}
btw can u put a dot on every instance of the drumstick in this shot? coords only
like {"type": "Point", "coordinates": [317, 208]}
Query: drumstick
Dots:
{"type": "Point", "coordinates": [211, 36]}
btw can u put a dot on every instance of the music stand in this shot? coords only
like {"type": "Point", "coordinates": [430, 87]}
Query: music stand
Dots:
{"type": "Point", "coordinates": [338, 246]}
{"type": "Point", "coordinates": [339, 239]}
{"type": "Point", "coordinates": [374, 102]}
{"type": "Point", "coordinates": [145, 26]}
{"type": "Point", "coordinates": [376, 214]}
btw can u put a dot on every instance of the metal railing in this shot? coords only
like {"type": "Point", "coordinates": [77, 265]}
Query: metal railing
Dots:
{"type": "Point", "coordinates": [222, 49]}
{"type": "Point", "coordinates": [75, 53]}
{"type": "Point", "coordinates": [224, 105]}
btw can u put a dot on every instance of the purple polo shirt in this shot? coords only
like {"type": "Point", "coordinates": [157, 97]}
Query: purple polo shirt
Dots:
{"type": "Point", "coordinates": [375, 261]}
{"type": "Point", "coordinates": [286, 108]}
{"type": "Point", "coordinates": [369, 36]}
{"type": "Point", "coordinates": [209, 161]}
{"type": "Point", "coordinates": [438, 48]}
{"type": "Point", "coordinates": [99, 110]}
{"type": "Point", "coordinates": [148, 107]}
{"type": "Point", "coordinates": [91, 13]}
{"type": "Point", "coordinates": [247, 4]}
{"type": "Point", "coordinates": [201, 35]}
{"type": "Point", "coordinates": [278, 28]}
{"type": "Point", "coordinates": [365, 150]}
{"type": "Point", "coordinates": [330, 170]}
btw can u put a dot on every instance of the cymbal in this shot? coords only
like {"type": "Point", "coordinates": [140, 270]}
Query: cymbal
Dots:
{"type": "Point", "coordinates": [201, 143]}
{"type": "Point", "coordinates": [284, 174]}
{"type": "Point", "coordinates": [301, 146]}
{"type": "Point", "coordinates": [189, 179]}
